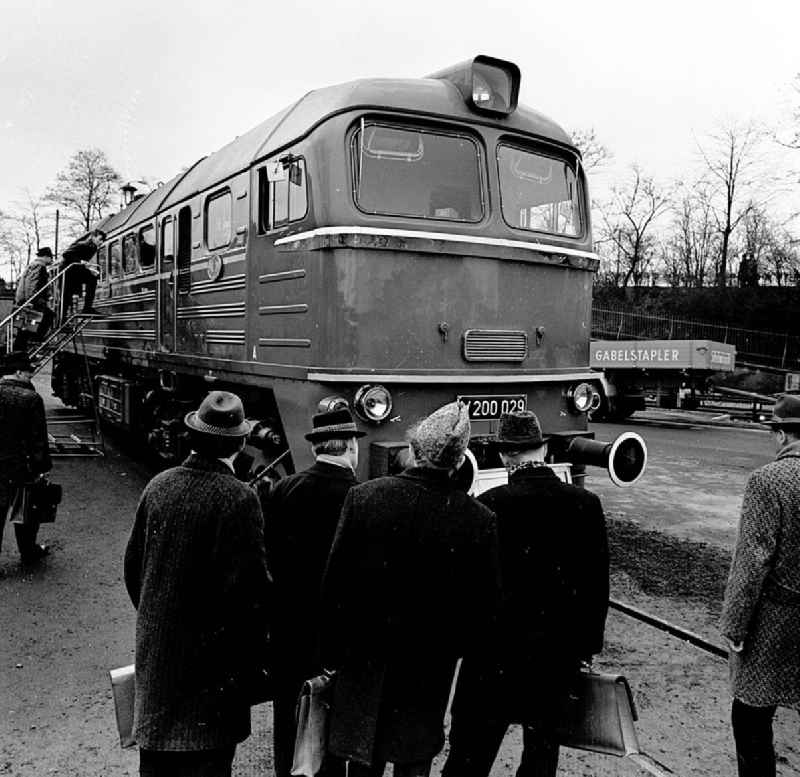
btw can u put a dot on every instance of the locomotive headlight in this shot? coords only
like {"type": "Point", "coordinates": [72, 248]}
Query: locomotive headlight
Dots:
{"type": "Point", "coordinates": [581, 397]}
{"type": "Point", "coordinates": [329, 404]}
{"type": "Point", "coordinates": [373, 403]}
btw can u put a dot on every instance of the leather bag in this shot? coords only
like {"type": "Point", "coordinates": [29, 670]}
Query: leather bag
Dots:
{"type": "Point", "coordinates": [34, 503]}
{"type": "Point", "coordinates": [599, 715]}
{"type": "Point", "coordinates": [313, 712]}
{"type": "Point", "coordinates": [123, 688]}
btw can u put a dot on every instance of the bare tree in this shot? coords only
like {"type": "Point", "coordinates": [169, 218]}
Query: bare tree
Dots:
{"type": "Point", "coordinates": [593, 153]}
{"type": "Point", "coordinates": [86, 189]}
{"type": "Point", "coordinates": [790, 136]}
{"type": "Point", "coordinates": [693, 243]}
{"type": "Point", "coordinates": [732, 157]}
{"type": "Point", "coordinates": [13, 250]}
{"type": "Point", "coordinates": [629, 221]}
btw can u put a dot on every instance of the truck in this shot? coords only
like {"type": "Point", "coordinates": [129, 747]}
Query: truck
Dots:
{"type": "Point", "coordinates": [672, 371]}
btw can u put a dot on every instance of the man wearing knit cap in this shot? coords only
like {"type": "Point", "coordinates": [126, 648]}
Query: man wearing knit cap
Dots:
{"type": "Point", "coordinates": [411, 584]}
{"type": "Point", "coordinates": [195, 569]}
{"type": "Point", "coordinates": [301, 515]}
{"type": "Point", "coordinates": [554, 564]}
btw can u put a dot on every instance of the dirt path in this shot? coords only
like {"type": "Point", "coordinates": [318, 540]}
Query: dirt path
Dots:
{"type": "Point", "coordinates": [66, 623]}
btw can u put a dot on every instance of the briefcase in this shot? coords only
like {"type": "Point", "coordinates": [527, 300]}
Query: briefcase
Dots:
{"type": "Point", "coordinates": [599, 715]}
{"type": "Point", "coordinates": [311, 740]}
{"type": "Point", "coordinates": [35, 502]}
{"type": "Point", "coordinates": [123, 688]}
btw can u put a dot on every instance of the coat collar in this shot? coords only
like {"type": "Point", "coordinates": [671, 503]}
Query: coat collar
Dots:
{"type": "Point", "coordinates": [542, 473]}
{"type": "Point", "coordinates": [17, 382]}
{"type": "Point", "coordinates": [196, 461]}
{"type": "Point", "coordinates": [789, 450]}
{"type": "Point", "coordinates": [327, 470]}
{"type": "Point", "coordinates": [428, 475]}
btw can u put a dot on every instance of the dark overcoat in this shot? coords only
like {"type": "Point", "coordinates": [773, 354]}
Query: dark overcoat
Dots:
{"type": "Point", "coordinates": [24, 449]}
{"type": "Point", "coordinates": [196, 571]}
{"type": "Point", "coordinates": [555, 569]}
{"type": "Point", "coordinates": [412, 583]}
{"type": "Point", "coordinates": [300, 519]}
{"type": "Point", "coordinates": [762, 597]}
{"type": "Point", "coordinates": [33, 280]}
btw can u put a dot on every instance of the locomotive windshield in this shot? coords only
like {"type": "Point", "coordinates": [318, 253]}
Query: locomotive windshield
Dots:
{"type": "Point", "coordinates": [406, 172]}
{"type": "Point", "coordinates": [538, 192]}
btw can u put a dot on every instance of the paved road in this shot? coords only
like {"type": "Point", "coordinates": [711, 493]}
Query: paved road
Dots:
{"type": "Point", "coordinates": [694, 479]}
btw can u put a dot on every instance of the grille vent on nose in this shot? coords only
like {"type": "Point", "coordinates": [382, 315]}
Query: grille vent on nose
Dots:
{"type": "Point", "coordinates": [495, 345]}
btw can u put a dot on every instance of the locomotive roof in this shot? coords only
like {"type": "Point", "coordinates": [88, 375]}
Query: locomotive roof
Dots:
{"type": "Point", "coordinates": [429, 96]}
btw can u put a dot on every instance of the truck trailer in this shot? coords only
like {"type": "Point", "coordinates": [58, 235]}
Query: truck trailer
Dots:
{"type": "Point", "coordinates": [672, 371]}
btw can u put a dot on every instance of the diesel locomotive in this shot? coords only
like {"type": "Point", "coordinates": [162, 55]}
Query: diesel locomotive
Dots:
{"type": "Point", "coordinates": [391, 244]}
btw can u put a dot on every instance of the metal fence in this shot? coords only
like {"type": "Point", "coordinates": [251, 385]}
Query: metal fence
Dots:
{"type": "Point", "coordinates": [768, 349]}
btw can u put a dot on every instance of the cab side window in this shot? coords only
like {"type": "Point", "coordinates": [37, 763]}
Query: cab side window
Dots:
{"type": "Point", "coordinates": [218, 220]}
{"type": "Point", "coordinates": [129, 254]}
{"type": "Point", "coordinates": [167, 238]}
{"type": "Point", "coordinates": [115, 259]}
{"type": "Point", "coordinates": [147, 247]}
{"type": "Point", "coordinates": [282, 193]}
{"type": "Point", "coordinates": [102, 263]}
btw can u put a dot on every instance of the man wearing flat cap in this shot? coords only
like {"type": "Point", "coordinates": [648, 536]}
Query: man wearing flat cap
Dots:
{"type": "Point", "coordinates": [195, 569]}
{"type": "Point", "coordinates": [554, 565]}
{"type": "Point", "coordinates": [24, 450]}
{"type": "Point", "coordinates": [761, 610]}
{"type": "Point", "coordinates": [31, 285]}
{"type": "Point", "coordinates": [301, 515]}
{"type": "Point", "coordinates": [411, 585]}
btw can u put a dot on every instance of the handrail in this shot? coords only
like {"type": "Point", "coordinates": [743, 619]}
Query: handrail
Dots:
{"type": "Point", "coordinates": [30, 299]}
{"type": "Point", "coordinates": [7, 321]}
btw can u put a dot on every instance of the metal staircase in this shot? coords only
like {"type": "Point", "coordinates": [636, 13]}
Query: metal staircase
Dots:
{"type": "Point", "coordinates": [79, 434]}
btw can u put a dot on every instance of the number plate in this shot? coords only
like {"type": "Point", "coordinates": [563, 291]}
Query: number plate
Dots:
{"type": "Point", "coordinates": [489, 407]}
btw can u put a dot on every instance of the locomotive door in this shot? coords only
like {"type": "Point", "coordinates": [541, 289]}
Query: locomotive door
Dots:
{"type": "Point", "coordinates": [167, 287]}
{"type": "Point", "coordinates": [176, 256]}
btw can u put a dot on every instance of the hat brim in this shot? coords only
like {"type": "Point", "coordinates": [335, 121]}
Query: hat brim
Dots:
{"type": "Point", "coordinates": [194, 423]}
{"type": "Point", "coordinates": [341, 434]}
{"type": "Point", "coordinates": [528, 442]}
{"type": "Point", "coordinates": [782, 422]}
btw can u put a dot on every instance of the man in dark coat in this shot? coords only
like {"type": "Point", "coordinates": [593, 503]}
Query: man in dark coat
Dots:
{"type": "Point", "coordinates": [554, 563]}
{"type": "Point", "coordinates": [301, 516]}
{"type": "Point", "coordinates": [76, 257]}
{"type": "Point", "coordinates": [411, 585]}
{"type": "Point", "coordinates": [33, 280]}
{"type": "Point", "coordinates": [761, 611]}
{"type": "Point", "coordinates": [196, 571]}
{"type": "Point", "coordinates": [24, 450]}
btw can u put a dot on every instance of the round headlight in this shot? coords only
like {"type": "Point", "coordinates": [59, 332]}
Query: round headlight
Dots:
{"type": "Point", "coordinates": [581, 397]}
{"type": "Point", "coordinates": [328, 404]}
{"type": "Point", "coordinates": [373, 403]}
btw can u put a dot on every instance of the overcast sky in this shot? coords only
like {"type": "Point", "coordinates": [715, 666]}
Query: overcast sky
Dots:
{"type": "Point", "coordinates": [159, 84]}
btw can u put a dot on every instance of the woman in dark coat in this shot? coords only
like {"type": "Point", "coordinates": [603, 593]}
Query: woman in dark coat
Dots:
{"type": "Point", "coordinates": [411, 584]}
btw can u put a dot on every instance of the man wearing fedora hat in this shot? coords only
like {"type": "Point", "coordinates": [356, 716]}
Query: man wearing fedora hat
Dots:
{"type": "Point", "coordinates": [301, 515]}
{"type": "Point", "coordinates": [196, 571]}
{"type": "Point", "coordinates": [33, 280]}
{"type": "Point", "coordinates": [554, 566]}
{"type": "Point", "coordinates": [761, 610]}
{"type": "Point", "coordinates": [411, 585]}
{"type": "Point", "coordinates": [24, 450]}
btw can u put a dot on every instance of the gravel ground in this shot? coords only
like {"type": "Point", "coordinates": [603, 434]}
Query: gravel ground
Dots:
{"type": "Point", "coordinates": [67, 622]}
